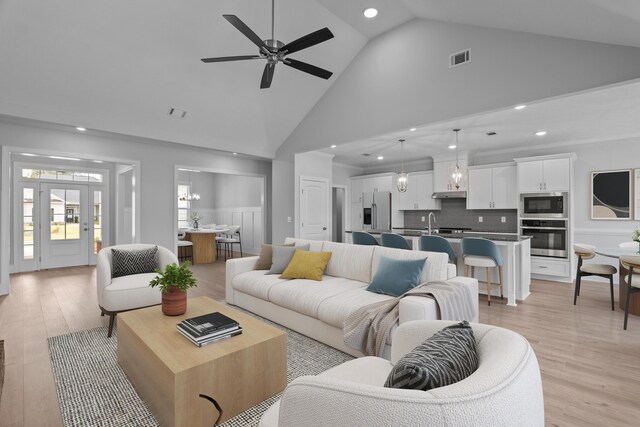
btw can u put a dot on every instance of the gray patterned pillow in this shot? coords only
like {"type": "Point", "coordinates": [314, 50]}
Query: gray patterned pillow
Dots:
{"type": "Point", "coordinates": [448, 356]}
{"type": "Point", "coordinates": [133, 261]}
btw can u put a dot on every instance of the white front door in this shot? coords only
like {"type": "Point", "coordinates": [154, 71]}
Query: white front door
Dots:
{"type": "Point", "coordinates": [314, 212]}
{"type": "Point", "coordinates": [64, 225]}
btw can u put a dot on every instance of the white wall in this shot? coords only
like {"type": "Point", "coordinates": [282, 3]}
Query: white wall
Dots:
{"type": "Point", "coordinates": [340, 174]}
{"type": "Point", "coordinates": [223, 190]}
{"type": "Point", "coordinates": [157, 160]}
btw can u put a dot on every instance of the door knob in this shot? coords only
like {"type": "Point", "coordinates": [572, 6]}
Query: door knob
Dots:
{"type": "Point", "coordinates": [324, 228]}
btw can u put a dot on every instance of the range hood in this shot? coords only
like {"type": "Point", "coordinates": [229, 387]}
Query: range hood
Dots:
{"type": "Point", "coordinates": [449, 195]}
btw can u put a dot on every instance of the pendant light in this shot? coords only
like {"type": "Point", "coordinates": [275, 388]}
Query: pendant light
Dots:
{"type": "Point", "coordinates": [403, 177]}
{"type": "Point", "coordinates": [457, 173]}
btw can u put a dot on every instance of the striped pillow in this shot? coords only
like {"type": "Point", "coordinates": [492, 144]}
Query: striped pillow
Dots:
{"type": "Point", "coordinates": [448, 356]}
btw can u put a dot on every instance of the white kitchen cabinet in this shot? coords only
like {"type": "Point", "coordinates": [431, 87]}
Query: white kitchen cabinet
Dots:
{"type": "Point", "coordinates": [356, 216]}
{"type": "Point", "coordinates": [443, 175]}
{"type": "Point", "coordinates": [492, 188]}
{"type": "Point", "coordinates": [544, 175]}
{"type": "Point", "coordinates": [356, 190]}
{"type": "Point", "coordinates": [418, 194]}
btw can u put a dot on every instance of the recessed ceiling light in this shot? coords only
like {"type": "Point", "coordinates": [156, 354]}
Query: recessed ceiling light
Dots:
{"type": "Point", "coordinates": [235, 154]}
{"type": "Point", "coordinates": [541, 133]}
{"type": "Point", "coordinates": [380, 157]}
{"type": "Point", "coordinates": [97, 161]}
{"type": "Point", "coordinates": [64, 158]}
{"type": "Point", "coordinates": [370, 12]}
{"type": "Point", "coordinates": [29, 154]}
{"type": "Point", "coordinates": [334, 146]}
{"type": "Point", "coordinates": [188, 170]}
{"type": "Point", "coordinates": [412, 130]}
{"type": "Point", "coordinates": [80, 129]}
{"type": "Point", "coordinates": [519, 107]}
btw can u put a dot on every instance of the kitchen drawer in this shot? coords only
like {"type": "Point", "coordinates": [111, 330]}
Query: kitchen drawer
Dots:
{"type": "Point", "coordinates": [550, 267]}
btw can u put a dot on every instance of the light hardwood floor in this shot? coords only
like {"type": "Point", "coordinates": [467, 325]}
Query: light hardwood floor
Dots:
{"type": "Point", "coordinates": [590, 366]}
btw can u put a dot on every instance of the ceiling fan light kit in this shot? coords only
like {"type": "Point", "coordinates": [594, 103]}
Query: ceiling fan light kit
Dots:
{"type": "Point", "coordinates": [275, 51]}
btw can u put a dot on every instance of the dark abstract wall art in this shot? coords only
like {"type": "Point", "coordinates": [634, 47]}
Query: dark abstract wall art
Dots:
{"type": "Point", "coordinates": [611, 195]}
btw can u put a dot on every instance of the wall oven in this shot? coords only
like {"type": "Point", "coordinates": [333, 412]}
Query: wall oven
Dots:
{"type": "Point", "coordinates": [548, 236]}
{"type": "Point", "coordinates": [544, 205]}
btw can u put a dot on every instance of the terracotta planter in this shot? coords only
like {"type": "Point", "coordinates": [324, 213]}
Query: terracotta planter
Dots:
{"type": "Point", "coordinates": [174, 302]}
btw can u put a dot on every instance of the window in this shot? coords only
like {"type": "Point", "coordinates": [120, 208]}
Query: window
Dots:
{"type": "Point", "coordinates": [184, 206]}
{"type": "Point", "coordinates": [27, 222]}
{"type": "Point", "coordinates": [29, 173]}
{"type": "Point", "coordinates": [65, 214]}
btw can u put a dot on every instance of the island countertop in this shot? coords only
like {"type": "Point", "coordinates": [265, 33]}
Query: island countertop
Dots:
{"type": "Point", "coordinates": [454, 237]}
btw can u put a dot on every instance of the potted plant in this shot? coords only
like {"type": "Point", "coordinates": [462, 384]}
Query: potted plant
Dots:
{"type": "Point", "coordinates": [174, 282]}
{"type": "Point", "coordinates": [98, 242]}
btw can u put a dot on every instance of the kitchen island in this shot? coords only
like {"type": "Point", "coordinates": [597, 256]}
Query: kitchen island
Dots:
{"type": "Point", "coordinates": [516, 251]}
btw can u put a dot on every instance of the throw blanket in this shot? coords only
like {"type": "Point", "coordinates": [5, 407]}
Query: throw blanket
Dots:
{"type": "Point", "coordinates": [367, 328]}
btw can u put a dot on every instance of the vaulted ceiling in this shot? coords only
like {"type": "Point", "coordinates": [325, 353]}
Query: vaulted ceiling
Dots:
{"type": "Point", "coordinates": [119, 66]}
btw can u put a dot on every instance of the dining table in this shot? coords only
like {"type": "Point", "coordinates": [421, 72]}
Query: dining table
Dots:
{"type": "Point", "coordinates": [204, 243]}
{"type": "Point", "coordinates": [623, 272]}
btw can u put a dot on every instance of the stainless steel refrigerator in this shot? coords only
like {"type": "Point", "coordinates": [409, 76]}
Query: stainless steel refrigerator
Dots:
{"type": "Point", "coordinates": [376, 211]}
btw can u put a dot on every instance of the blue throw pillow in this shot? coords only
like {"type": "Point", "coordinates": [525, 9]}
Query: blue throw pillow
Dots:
{"type": "Point", "coordinates": [396, 276]}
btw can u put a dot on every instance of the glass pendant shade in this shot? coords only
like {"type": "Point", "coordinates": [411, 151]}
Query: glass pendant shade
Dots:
{"type": "Point", "coordinates": [403, 177]}
{"type": "Point", "coordinates": [403, 180]}
{"type": "Point", "coordinates": [457, 173]}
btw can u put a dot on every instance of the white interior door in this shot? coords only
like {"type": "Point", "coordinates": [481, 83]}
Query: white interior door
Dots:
{"type": "Point", "coordinates": [64, 225]}
{"type": "Point", "coordinates": [314, 212]}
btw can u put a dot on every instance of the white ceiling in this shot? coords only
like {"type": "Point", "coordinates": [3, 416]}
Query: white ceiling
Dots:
{"type": "Point", "coordinates": [119, 66]}
{"type": "Point", "coordinates": [599, 115]}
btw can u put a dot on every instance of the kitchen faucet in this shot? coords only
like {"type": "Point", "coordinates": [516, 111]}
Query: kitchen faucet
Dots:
{"type": "Point", "coordinates": [434, 220]}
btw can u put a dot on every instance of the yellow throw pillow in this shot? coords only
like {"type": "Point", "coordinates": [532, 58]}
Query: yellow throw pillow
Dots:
{"type": "Point", "coordinates": [306, 265]}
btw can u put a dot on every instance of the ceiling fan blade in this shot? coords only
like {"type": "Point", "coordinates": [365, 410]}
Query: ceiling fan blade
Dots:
{"type": "Point", "coordinates": [248, 32]}
{"type": "Point", "coordinates": [230, 58]}
{"type": "Point", "coordinates": [308, 68]}
{"type": "Point", "coordinates": [309, 40]}
{"type": "Point", "coordinates": [267, 76]}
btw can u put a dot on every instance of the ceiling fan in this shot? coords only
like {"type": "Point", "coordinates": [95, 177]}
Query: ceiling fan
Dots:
{"type": "Point", "coordinates": [275, 51]}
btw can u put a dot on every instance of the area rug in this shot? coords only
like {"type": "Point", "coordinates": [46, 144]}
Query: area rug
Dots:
{"type": "Point", "coordinates": [94, 391]}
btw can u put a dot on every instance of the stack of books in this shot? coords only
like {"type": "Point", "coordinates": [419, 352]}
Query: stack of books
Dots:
{"type": "Point", "coordinates": [208, 328]}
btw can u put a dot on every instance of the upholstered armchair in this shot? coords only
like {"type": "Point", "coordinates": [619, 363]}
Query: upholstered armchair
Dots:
{"type": "Point", "coordinates": [118, 294]}
{"type": "Point", "coordinates": [505, 390]}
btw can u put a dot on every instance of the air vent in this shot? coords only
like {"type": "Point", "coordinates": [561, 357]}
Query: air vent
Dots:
{"type": "Point", "coordinates": [174, 112]}
{"type": "Point", "coordinates": [459, 58]}
{"type": "Point", "coordinates": [366, 154]}
{"type": "Point", "coordinates": [491, 133]}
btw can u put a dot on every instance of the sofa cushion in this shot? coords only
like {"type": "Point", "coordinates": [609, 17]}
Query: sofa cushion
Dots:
{"type": "Point", "coordinates": [335, 309]}
{"type": "Point", "coordinates": [126, 262]}
{"type": "Point", "coordinates": [349, 261]}
{"type": "Point", "coordinates": [133, 291]}
{"type": "Point", "coordinates": [314, 245]}
{"type": "Point", "coordinates": [256, 283]}
{"type": "Point", "coordinates": [266, 256]}
{"type": "Point", "coordinates": [435, 267]}
{"type": "Point", "coordinates": [305, 296]}
{"type": "Point", "coordinates": [448, 356]}
{"type": "Point", "coordinates": [396, 276]}
{"type": "Point", "coordinates": [281, 257]}
{"type": "Point", "coordinates": [306, 265]}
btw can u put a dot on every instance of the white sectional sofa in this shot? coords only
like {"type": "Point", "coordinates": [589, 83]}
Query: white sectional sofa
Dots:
{"type": "Point", "coordinates": [317, 309]}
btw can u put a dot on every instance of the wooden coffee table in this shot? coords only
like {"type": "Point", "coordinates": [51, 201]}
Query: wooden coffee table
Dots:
{"type": "Point", "coordinates": [170, 373]}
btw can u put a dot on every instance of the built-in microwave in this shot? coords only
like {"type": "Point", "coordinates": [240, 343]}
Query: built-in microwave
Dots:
{"type": "Point", "coordinates": [544, 205]}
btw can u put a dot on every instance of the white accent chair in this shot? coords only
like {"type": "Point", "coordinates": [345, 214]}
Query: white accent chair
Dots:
{"type": "Point", "coordinates": [125, 293]}
{"type": "Point", "coordinates": [231, 237]}
{"type": "Point", "coordinates": [505, 390]}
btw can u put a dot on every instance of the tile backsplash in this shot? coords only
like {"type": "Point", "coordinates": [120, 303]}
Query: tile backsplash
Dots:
{"type": "Point", "coordinates": [454, 213]}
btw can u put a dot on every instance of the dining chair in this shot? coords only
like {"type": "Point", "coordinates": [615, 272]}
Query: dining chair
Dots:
{"type": "Point", "coordinates": [231, 237]}
{"type": "Point", "coordinates": [363, 238]}
{"type": "Point", "coordinates": [628, 245]}
{"type": "Point", "coordinates": [477, 252]}
{"type": "Point", "coordinates": [438, 244]}
{"type": "Point", "coordinates": [632, 262]}
{"type": "Point", "coordinates": [185, 247]}
{"type": "Point", "coordinates": [584, 251]}
{"type": "Point", "coordinates": [393, 240]}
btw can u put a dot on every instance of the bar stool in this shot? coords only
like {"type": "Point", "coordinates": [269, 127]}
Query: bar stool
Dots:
{"type": "Point", "coordinates": [438, 244]}
{"type": "Point", "coordinates": [584, 251]}
{"type": "Point", "coordinates": [393, 240]}
{"type": "Point", "coordinates": [632, 262]}
{"type": "Point", "coordinates": [363, 238]}
{"type": "Point", "coordinates": [478, 252]}
{"type": "Point", "coordinates": [185, 247]}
